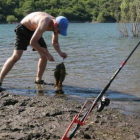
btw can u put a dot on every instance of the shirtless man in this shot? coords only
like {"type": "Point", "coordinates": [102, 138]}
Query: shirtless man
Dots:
{"type": "Point", "coordinates": [29, 32]}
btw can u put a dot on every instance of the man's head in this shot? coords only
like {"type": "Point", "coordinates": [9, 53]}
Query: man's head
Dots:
{"type": "Point", "coordinates": [63, 24]}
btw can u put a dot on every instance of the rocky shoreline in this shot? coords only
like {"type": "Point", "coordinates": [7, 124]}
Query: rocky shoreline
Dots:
{"type": "Point", "coordinates": [47, 118]}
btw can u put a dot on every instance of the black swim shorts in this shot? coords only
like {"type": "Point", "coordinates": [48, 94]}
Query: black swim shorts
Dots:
{"type": "Point", "coordinates": [23, 36]}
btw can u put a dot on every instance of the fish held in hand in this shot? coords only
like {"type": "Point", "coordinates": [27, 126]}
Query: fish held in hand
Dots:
{"type": "Point", "coordinates": [59, 75]}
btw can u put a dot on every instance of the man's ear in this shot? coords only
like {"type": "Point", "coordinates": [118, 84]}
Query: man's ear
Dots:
{"type": "Point", "coordinates": [55, 24]}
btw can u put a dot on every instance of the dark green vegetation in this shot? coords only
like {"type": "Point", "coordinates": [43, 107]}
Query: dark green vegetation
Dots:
{"type": "Point", "coordinates": [74, 10]}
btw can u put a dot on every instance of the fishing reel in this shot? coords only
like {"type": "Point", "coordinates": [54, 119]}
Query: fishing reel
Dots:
{"type": "Point", "coordinates": [103, 102]}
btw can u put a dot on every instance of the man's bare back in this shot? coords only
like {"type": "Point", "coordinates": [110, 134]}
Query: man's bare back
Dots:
{"type": "Point", "coordinates": [32, 20]}
{"type": "Point", "coordinates": [39, 22]}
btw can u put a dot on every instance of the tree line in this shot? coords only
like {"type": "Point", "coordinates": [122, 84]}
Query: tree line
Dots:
{"type": "Point", "coordinates": [74, 10]}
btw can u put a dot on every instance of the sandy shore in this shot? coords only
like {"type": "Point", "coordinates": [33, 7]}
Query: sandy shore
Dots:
{"type": "Point", "coordinates": [47, 118]}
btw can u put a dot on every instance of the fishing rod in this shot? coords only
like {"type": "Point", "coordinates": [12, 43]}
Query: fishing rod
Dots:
{"type": "Point", "coordinates": [103, 102]}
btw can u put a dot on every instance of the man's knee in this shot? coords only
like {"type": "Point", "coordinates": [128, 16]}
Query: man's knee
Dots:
{"type": "Point", "coordinates": [16, 55]}
{"type": "Point", "coordinates": [15, 58]}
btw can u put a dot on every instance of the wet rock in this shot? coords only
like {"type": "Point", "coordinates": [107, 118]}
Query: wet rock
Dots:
{"type": "Point", "coordinates": [87, 136]}
{"type": "Point", "coordinates": [56, 113]}
{"type": "Point", "coordinates": [4, 95]}
{"type": "Point", "coordinates": [8, 102]}
{"type": "Point", "coordinates": [96, 121]}
{"type": "Point", "coordinates": [137, 135]}
{"type": "Point", "coordinates": [15, 129]}
{"type": "Point", "coordinates": [25, 102]}
{"type": "Point", "coordinates": [20, 110]}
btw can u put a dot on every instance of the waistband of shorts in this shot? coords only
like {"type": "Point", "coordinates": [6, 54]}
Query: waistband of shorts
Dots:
{"type": "Point", "coordinates": [23, 26]}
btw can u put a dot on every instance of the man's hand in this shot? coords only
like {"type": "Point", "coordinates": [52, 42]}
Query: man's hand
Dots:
{"type": "Point", "coordinates": [50, 57]}
{"type": "Point", "coordinates": [63, 55]}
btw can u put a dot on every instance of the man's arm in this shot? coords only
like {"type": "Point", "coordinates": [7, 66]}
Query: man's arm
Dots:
{"type": "Point", "coordinates": [56, 45]}
{"type": "Point", "coordinates": [42, 27]}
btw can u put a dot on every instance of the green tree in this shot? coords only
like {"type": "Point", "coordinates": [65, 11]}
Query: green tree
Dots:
{"type": "Point", "coordinates": [100, 17]}
{"type": "Point", "coordinates": [75, 10]}
{"type": "Point", "coordinates": [130, 13]}
{"type": "Point", "coordinates": [28, 7]}
{"type": "Point", "coordinates": [125, 11]}
{"type": "Point", "coordinates": [11, 19]}
{"type": "Point", "coordinates": [2, 10]}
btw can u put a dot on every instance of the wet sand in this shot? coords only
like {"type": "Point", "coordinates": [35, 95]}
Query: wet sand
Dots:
{"type": "Point", "coordinates": [47, 118]}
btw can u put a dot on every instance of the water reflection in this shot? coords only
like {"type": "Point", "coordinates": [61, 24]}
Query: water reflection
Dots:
{"type": "Point", "coordinates": [81, 92]}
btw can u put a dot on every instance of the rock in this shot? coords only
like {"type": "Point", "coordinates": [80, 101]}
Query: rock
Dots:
{"type": "Point", "coordinates": [8, 102]}
{"type": "Point", "coordinates": [87, 136]}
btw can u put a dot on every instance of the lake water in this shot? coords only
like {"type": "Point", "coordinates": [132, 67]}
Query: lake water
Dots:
{"type": "Point", "coordinates": [95, 52]}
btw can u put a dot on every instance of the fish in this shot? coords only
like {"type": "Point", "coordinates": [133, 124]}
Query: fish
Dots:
{"type": "Point", "coordinates": [59, 75]}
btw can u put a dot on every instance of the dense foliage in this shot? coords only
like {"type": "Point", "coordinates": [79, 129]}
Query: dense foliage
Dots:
{"type": "Point", "coordinates": [74, 10]}
{"type": "Point", "coordinates": [130, 13]}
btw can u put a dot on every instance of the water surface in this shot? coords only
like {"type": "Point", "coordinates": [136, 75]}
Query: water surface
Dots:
{"type": "Point", "coordinates": [95, 52]}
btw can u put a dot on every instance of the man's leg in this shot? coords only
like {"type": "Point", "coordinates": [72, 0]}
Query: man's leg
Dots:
{"type": "Point", "coordinates": [42, 63]}
{"type": "Point", "coordinates": [10, 63]}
